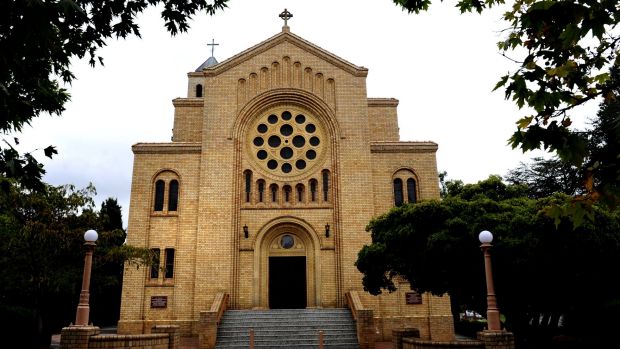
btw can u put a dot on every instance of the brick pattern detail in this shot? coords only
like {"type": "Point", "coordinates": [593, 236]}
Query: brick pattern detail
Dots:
{"type": "Point", "coordinates": [398, 334]}
{"type": "Point", "coordinates": [208, 155]}
{"type": "Point", "coordinates": [497, 339]}
{"type": "Point", "coordinates": [77, 337]}
{"type": "Point", "coordinates": [412, 343]}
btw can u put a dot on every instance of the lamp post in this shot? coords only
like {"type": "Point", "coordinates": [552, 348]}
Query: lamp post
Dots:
{"type": "Point", "coordinates": [493, 323]}
{"type": "Point", "coordinates": [83, 309]}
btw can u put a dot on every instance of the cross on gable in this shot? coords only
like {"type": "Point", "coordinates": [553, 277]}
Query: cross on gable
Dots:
{"type": "Point", "coordinates": [285, 15]}
{"type": "Point", "coordinates": [212, 44]}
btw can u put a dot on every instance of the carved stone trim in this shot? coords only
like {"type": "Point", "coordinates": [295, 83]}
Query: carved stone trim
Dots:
{"type": "Point", "coordinates": [167, 148]}
{"type": "Point", "coordinates": [403, 147]}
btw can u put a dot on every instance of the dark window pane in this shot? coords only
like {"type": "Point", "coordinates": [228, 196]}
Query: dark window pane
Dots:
{"type": "Point", "coordinates": [261, 189]}
{"type": "Point", "coordinates": [313, 189]}
{"type": "Point", "coordinates": [311, 154]}
{"type": "Point", "coordinates": [325, 184]}
{"type": "Point", "coordinates": [411, 190]}
{"type": "Point", "coordinates": [262, 128]}
{"type": "Point", "coordinates": [286, 130]}
{"type": "Point", "coordinates": [286, 167]}
{"type": "Point", "coordinates": [199, 90]}
{"type": "Point", "coordinates": [258, 141]}
{"type": "Point", "coordinates": [155, 265]}
{"type": "Point", "coordinates": [286, 115]}
{"type": "Point", "coordinates": [159, 195]}
{"type": "Point", "coordinates": [310, 128]}
{"type": "Point", "coordinates": [286, 153]}
{"type": "Point", "coordinates": [299, 141]}
{"type": "Point", "coordinates": [274, 141]}
{"type": "Point", "coordinates": [314, 141]}
{"type": "Point", "coordinates": [272, 119]}
{"type": "Point", "coordinates": [261, 154]}
{"type": "Point", "coordinates": [398, 192]}
{"type": "Point", "coordinates": [173, 195]}
{"type": "Point", "coordinates": [274, 193]}
{"type": "Point", "coordinates": [169, 263]}
{"type": "Point", "coordinates": [272, 164]}
{"type": "Point", "coordinates": [300, 164]}
{"type": "Point", "coordinates": [248, 185]}
{"type": "Point", "coordinates": [300, 119]}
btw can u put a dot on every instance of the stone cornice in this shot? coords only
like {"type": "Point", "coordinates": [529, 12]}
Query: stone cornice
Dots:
{"type": "Point", "coordinates": [188, 102]}
{"type": "Point", "coordinates": [403, 147]}
{"type": "Point", "coordinates": [167, 148]}
{"type": "Point", "coordinates": [382, 102]}
{"type": "Point", "coordinates": [278, 39]}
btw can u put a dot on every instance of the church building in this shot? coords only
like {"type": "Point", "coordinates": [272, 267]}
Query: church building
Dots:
{"type": "Point", "coordinates": [277, 163]}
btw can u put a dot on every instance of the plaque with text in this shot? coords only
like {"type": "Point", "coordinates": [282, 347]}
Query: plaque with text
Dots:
{"type": "Point", "coordinates": [413, 298]}
{"type": "Point", "coordinates": [159, 301]}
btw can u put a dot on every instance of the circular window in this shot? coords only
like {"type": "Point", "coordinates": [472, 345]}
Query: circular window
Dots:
{"type": "Point", "coordinates": [286, 153]}
{"type": "Point", "coordinates": [287, 241]}
{"type": "Point", "coordinates": [274, 141]}
{"type": "Point", "coordinates": [286, 141]}
{"type": "Point", "coordinates": [286, 130]}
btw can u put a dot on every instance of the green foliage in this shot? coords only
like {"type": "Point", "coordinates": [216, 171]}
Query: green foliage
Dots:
{"type": "Point", "coordinates": [544, 177]}
{"type": "Point", "coordinates": [568, 51]}
{"type": "Point", "coordinates": [38, 39]}
{"type": "Point", "coordinates": [41, 236]}
{"type": "Point", "coordinates": [538, 267]}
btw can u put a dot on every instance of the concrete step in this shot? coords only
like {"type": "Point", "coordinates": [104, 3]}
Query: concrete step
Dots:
{"type": "Point", "coordinates": [287, 328]}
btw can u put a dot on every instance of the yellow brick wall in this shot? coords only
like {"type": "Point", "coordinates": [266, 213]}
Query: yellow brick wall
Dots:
{"type": "Point", "coordinates": [208, 156]}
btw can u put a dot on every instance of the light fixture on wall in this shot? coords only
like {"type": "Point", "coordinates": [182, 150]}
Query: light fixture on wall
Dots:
{"type": "Point", "coordinates": [327, 230]}
{"type": "Point", "coordinates": [245, 231]}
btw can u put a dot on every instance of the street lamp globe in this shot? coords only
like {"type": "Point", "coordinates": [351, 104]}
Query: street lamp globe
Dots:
{"type": "Point", "coordinates": [90, 236]}
{"type": "Point", "coordinates": [485, 237]}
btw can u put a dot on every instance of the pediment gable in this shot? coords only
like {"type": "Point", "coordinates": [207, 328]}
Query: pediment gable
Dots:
{"type": "Point", "coordinates": [284, 37]}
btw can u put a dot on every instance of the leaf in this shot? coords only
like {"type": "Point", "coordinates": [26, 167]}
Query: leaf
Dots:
{"type": "Point", "coordinates": [50, 151]}
{"type": "Point", "coordinates": [525, 122]}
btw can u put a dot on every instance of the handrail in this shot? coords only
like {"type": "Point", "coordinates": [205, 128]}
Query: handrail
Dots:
{"type": "Point", "coordinates": [219, 306]}
{"type": "Point", "coordinates": [354, 302]}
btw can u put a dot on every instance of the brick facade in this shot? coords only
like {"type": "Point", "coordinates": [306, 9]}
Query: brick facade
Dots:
{"type": "Point", "coordinates": [331, 169]}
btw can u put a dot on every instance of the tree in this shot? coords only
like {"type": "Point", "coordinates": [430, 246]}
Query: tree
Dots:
{"type": "Point", "coordinates": [41, 236]}
{"type": "Point", "coordinates": [38, 39]}
{"type": "Point", "coordinates": [568, 49]}
{"type": "Point", "coordinates": [544, 177]}
{"type": "Point", "coordinates": [538, 268]}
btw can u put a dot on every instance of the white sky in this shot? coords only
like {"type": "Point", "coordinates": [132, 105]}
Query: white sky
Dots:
{"type": "Point", "coordinates": [441, 65]}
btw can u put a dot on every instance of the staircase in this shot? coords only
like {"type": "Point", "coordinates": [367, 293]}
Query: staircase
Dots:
{"type": "Point", "coordinates": [287, 328]}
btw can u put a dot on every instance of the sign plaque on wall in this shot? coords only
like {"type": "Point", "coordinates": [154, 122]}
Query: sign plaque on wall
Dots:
{"type": "Point", "coordinates": [159, 301]}
{"type": "Point", "coordinates": [413, 298]}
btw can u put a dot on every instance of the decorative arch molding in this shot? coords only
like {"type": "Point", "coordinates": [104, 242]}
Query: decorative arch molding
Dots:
{"type": "Point", "coordinates": [406, 175]}
{"type": "Point", "coordinates": [402, 170]}
{"type": "Point", "coordinates": [303, 231]}
{"type": "Point", "coordinates": [161, 171]}
{"type": "Point", "coordinates": [279, 96]}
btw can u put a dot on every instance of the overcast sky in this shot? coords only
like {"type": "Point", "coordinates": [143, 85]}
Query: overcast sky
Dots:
{"type": "Point", "coordinates": [441, 65]}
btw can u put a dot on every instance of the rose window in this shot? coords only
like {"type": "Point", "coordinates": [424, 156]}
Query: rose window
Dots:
{"type": "Point", "coordinates": [286, 142]}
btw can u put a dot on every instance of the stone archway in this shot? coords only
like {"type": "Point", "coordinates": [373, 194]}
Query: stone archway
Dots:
{"type": "Point", "coordinates": [286, 267]}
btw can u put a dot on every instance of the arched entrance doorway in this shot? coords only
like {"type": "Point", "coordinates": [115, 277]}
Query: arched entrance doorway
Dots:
{"type": "Point", "coordinates": [287, 268]}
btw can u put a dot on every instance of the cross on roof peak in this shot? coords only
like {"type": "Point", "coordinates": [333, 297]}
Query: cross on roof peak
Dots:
{"type": "Point", "coordinates": [212, 44]}
{"type": "Point", "coordinates": [285, 15]}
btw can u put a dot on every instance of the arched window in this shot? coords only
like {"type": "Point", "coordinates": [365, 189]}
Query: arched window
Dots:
{"type": "Point", "coordinates": [299, 188]}
{"type": "Point", "coordinates": [274, 192]}
{"type": "Point", "coordinates": [199, 90]}
{"type": "Point", "coordinates": [325, 184]}
{"type": "Point", "coordinates": [411, 188]}
{"type": "Point", "coordinates": [398, 191]}
{"type": "Point", "coordinates": [160, 186]}
{"type": "Point", "coordinates": [248, 184]}
{"type": "Point", "coordinates": [261, 189]}
{"type": "Point", "coordinates": [173, 195]}
{"type": "Point", "coordinates": [313, 185]}
{"type": "Point", "coordinates": [287, 193]}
